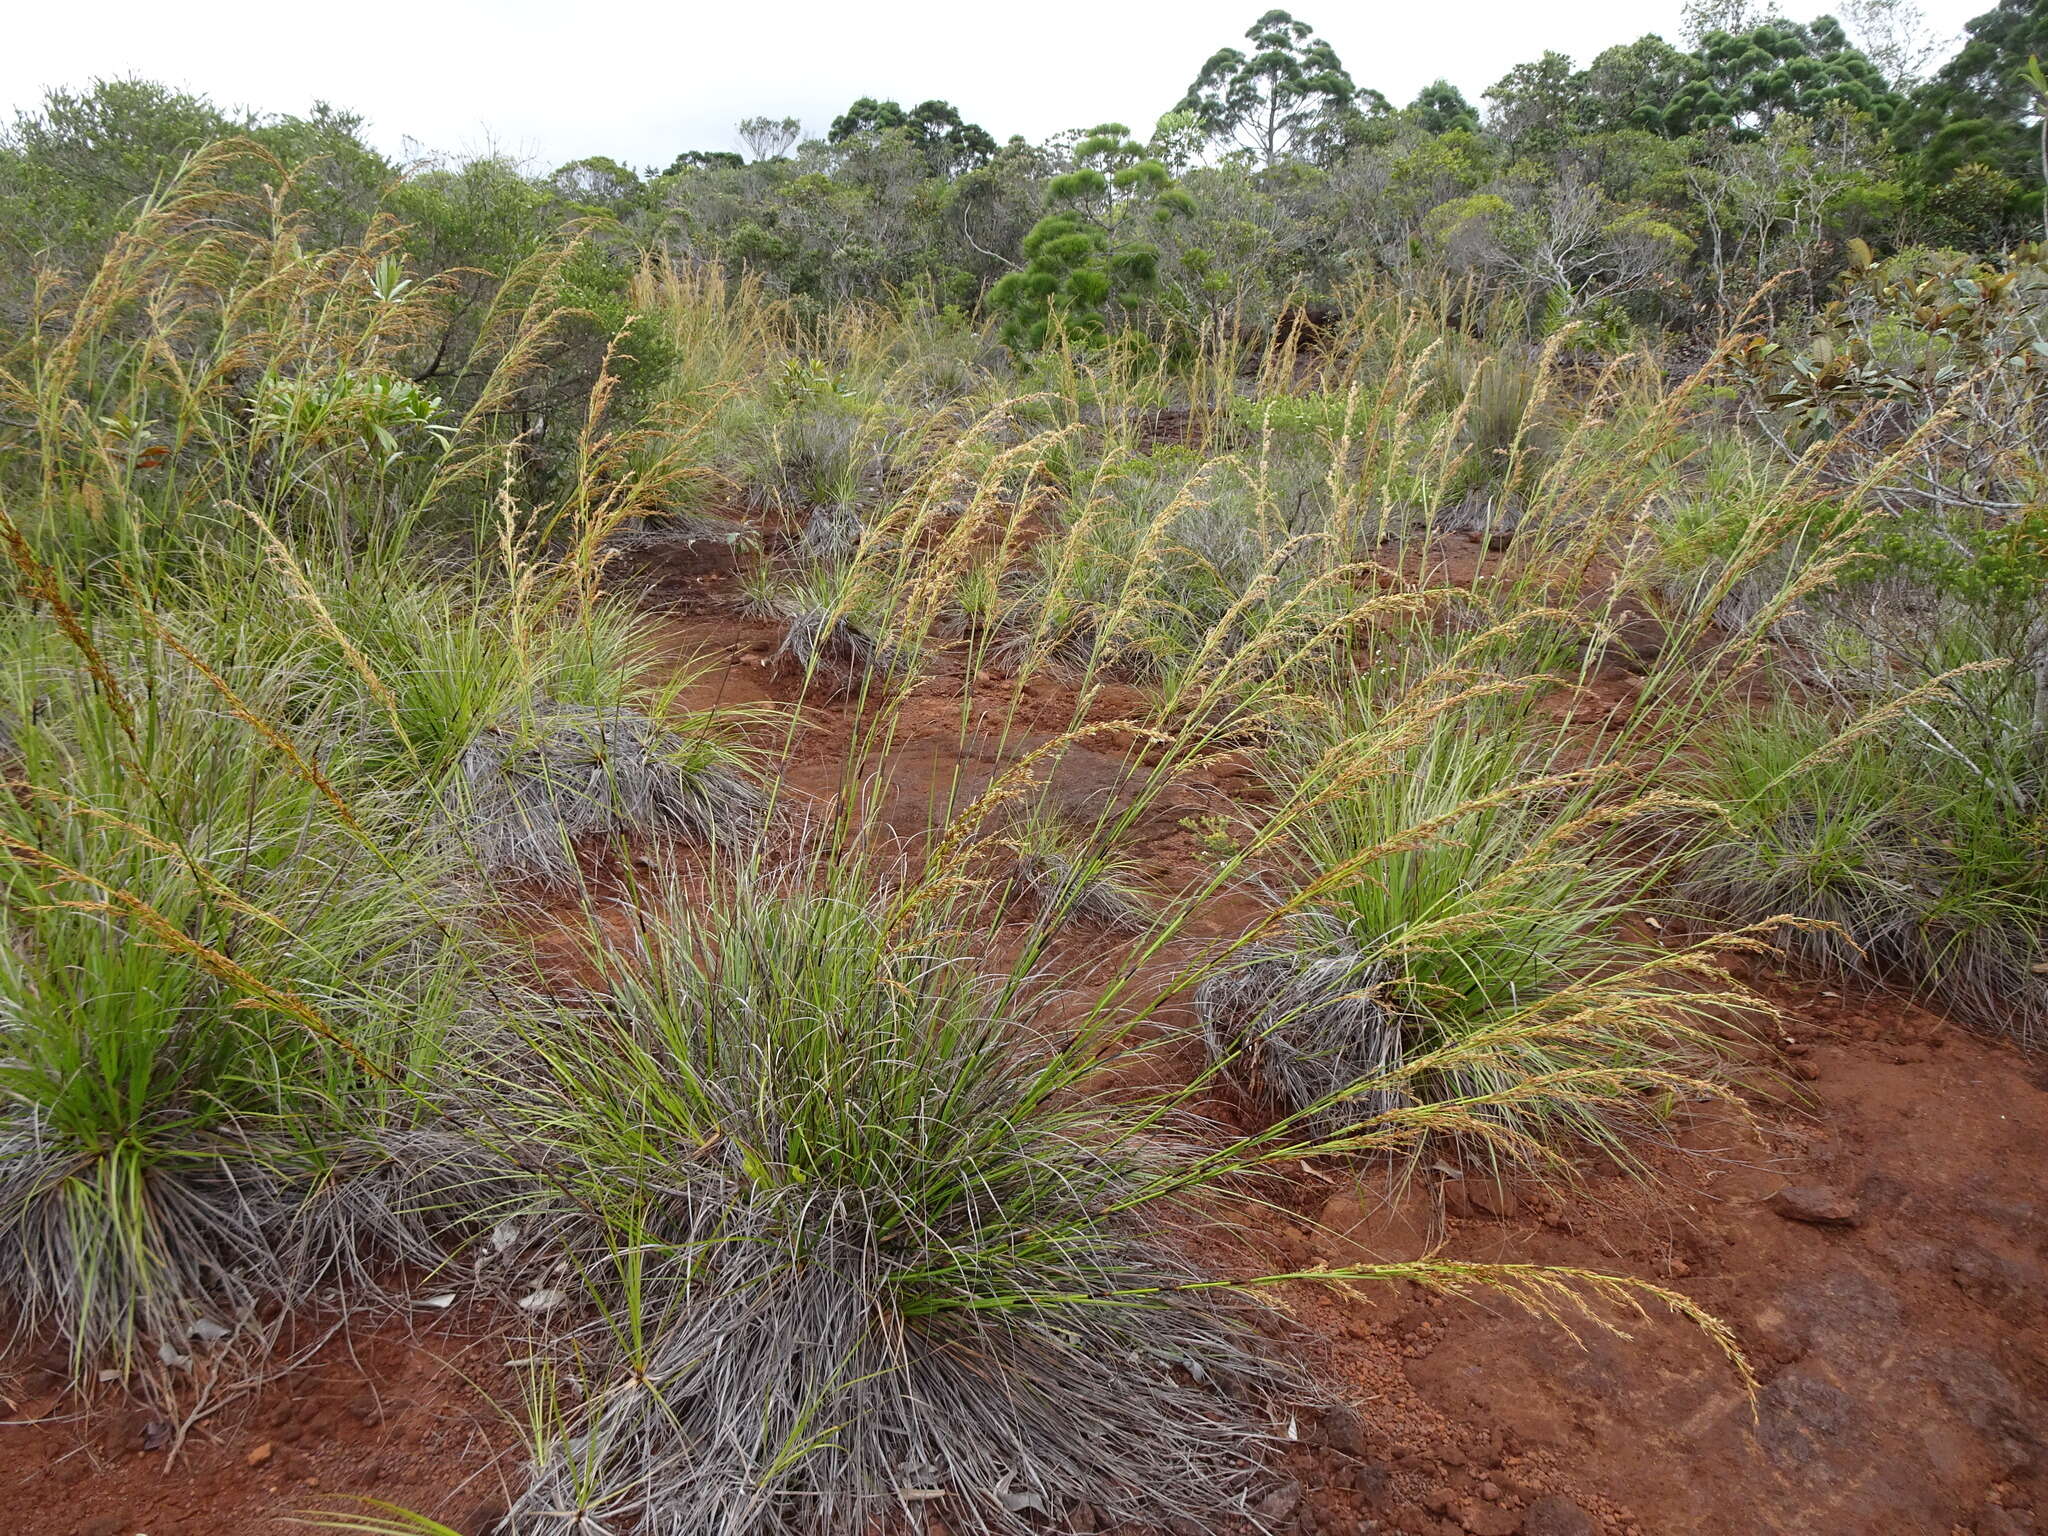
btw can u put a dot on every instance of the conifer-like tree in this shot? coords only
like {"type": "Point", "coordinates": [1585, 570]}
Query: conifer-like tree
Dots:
{"type": "Point", "coordinates": [2035, 79]}
{"type": "Point", "coordinates": [1091, 248]}
{"type": "Point", "coordinates": [705, 160]}
{"type": "Point", "coordinates": [1976, 106]}
{"type": "Point", "coordinates": [1631, 85]}
{"type": "Point", "coordinates": [1440, 107]}
{"type": "Point", "coordinates": [1742, 82]}
{"type": "Point", "coordinates": [1289, 98]}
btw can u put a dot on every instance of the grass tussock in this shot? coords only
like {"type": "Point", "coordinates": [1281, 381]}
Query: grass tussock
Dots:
{"type": "Point", "coordinates": [798, 1114]}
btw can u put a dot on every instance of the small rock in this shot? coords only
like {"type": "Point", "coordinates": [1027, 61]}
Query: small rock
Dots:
{"type": "Point", "coordinates": [1282, 1501]}
{"type": "Point", "coordinates": [260, 1455]}
{"type": "Point", "coordinates": [1553, 1515]}
{"type": "Point", "coordinates": [1366, 1478]}
{"type": "Point", "coordinates": [1470, 1197]}
{"type": "Point", "coordinates": [37, 1409]}
{"type": "Point", "coordinates": [1349, 1231]}
{"type": "Point", "coordinates": [1801, 1418]}
{"type": "Point", "coordinates": [1490, 1520]}
{"type": "Point", "coordinates": [1341, 1429]}
{"type": "Point", "coordinates": [130, 1432]}
{"type": "Point", "coordinates": [1637, 642]}
{"type": "Point", "coordinates": [1994, 1282]}
{"type": "Point", "coordinates": [1776, 1337]}
{"type": "Point", "coordinates": [1816, 1205]}
{"type": "Point", "coordinates": [1493, 1198]}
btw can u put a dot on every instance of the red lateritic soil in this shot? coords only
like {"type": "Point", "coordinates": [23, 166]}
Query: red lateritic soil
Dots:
{"type": "Point", "coordinates": [1899, 1342]}
{"type": "Point", "coordinates": [1904, 1376]}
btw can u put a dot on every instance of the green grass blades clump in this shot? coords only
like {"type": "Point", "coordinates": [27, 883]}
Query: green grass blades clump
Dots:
{"type": "Point", "coordinates": [1918, 863]}
{"type": "Point", "coordinates": [1455, 950]}
{"type": "Point", "coordinates": [1068, 871]}
{"type": "Point", "coordinates": [1834, 834]}
{"type": "Point", "coordinates": [516, 715]}
{"type": "Point", "coordinates": [858, 1256]}
{"type": "Point", "coordinates": [214, 998]}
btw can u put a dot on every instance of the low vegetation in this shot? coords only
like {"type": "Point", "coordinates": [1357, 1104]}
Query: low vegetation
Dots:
{"type": "Point", "coordinates": [1131, 734]}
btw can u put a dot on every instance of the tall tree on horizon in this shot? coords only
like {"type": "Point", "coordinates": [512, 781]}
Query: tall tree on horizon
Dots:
{"type": "Point", "coordinates": [1440, 107]}
{"type": "Point", "coordinates": [949, 141]}
{"type": "Point", "coordinates": [1743, 81]}
{"type": "Point", "coordinates": [769, 138]}
{"type": "Point", "coordinates": [1287, 99]}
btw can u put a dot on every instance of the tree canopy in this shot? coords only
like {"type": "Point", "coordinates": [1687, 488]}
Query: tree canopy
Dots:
{"type": "Point", "coordinates": [1288, 98]}
{"type": "Point", "coordinates": [1741, 82]}
{"type": "Point", "coordinates": [1440, 107]}
{"type": "Point", "coordinates": [1976, 106]}
{"type": "Point", "coordinates": [936, 127]}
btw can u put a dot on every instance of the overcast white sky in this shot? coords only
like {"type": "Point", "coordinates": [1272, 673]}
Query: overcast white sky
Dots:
{"type": "Point", "coordinates": [552, 80]}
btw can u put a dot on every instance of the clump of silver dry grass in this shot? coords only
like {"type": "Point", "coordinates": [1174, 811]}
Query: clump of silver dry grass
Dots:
{"type": "Point", "coordinates": [1306, 1029]}
{"type": "Point", "coordinates": [819, 640]}
{"type": "Point", "coordinates": [536, 787]}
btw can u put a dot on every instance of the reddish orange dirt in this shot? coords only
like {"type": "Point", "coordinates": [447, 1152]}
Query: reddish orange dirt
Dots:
{"type": "Point", "coordinates": [1873, 1232]}
{"type": "Point", "coordinates": [1899, 1345]}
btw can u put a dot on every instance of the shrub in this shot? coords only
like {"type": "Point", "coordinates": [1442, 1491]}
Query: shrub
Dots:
{"type": "Point", "coordinates": [1923, 873]}
{"type": "Point", "coordinates": [802, 1115]}
{"type": "Point", "coordinates": [1085, 255]}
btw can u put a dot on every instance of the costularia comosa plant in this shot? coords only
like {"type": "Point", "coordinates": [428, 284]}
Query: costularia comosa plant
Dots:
{"type": "Point", "coordinates": [1089, 251]}
{"type": "Point", "coordinates": [853, 1251]}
